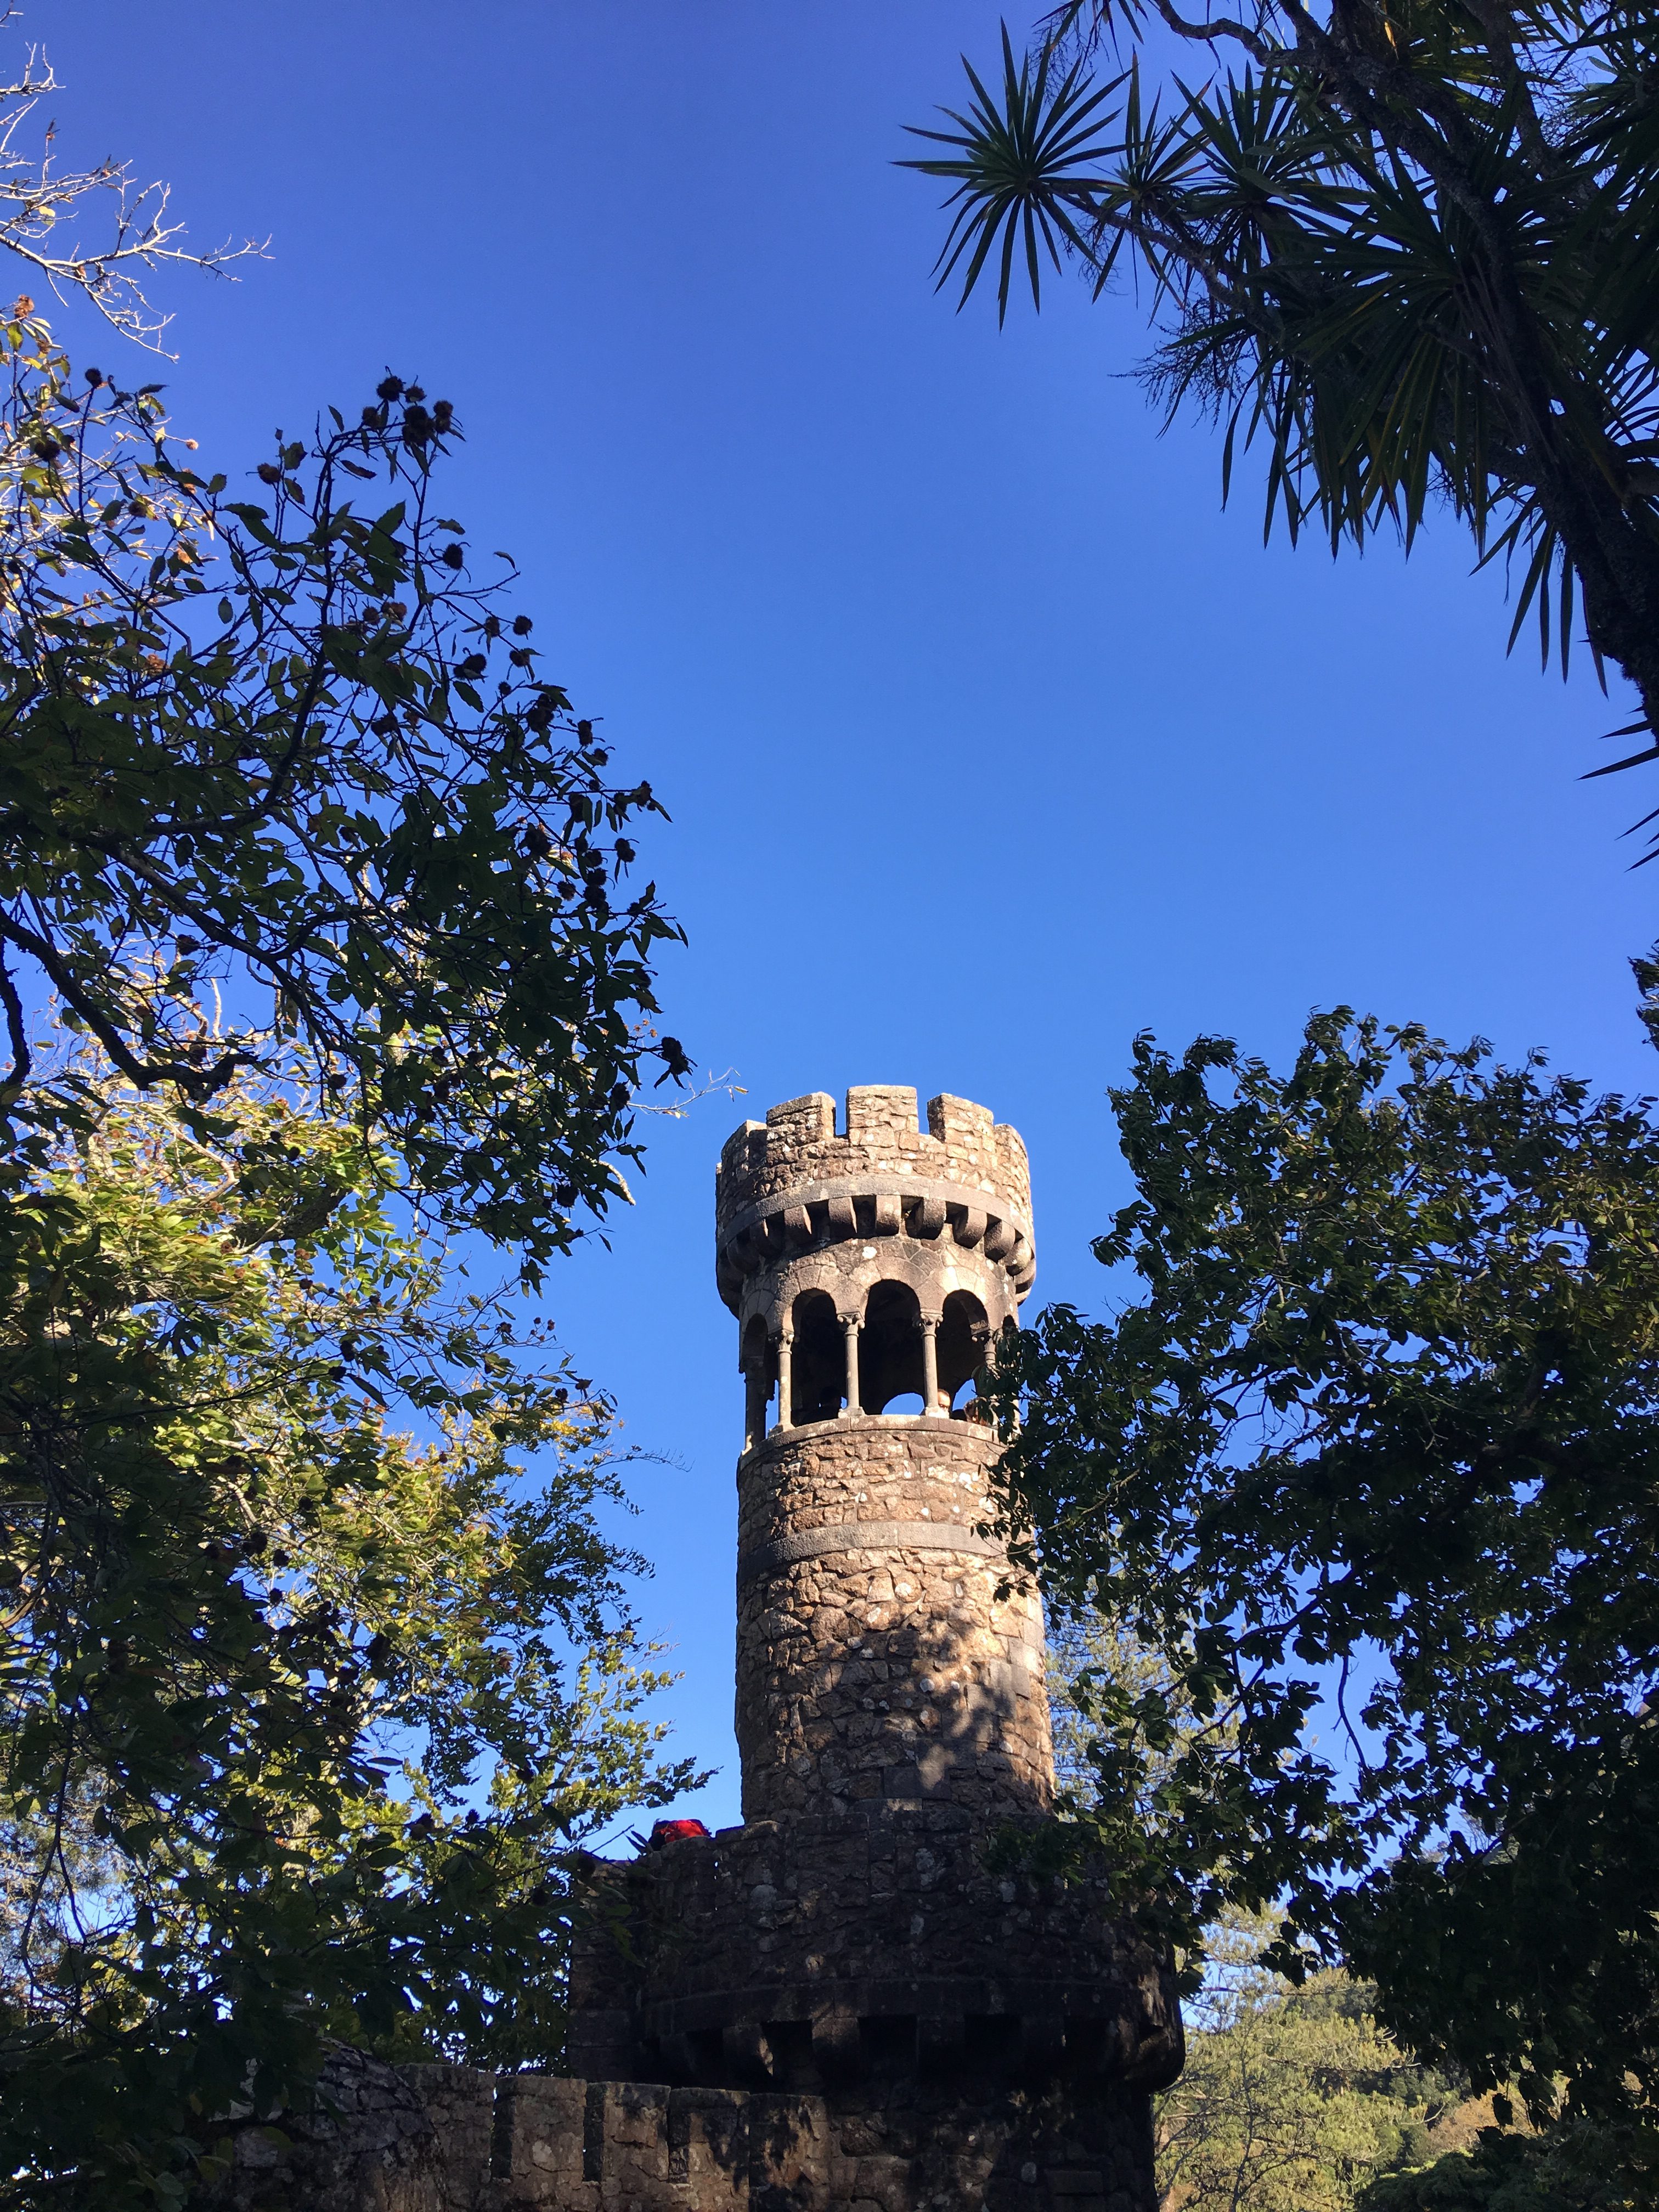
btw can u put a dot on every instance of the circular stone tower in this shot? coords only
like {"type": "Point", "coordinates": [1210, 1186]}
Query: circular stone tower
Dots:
{"type": "Point", "coordinates": [868, 1271]}
{"type": "Point", "coordinates": [877, 1938]}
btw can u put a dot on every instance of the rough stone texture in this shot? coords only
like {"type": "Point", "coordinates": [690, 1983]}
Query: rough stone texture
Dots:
{"type": "Point", "coordinates": [441, 2139]}
{"type": "Point", "coordinates": [790, 1182]}
{"type": "Point", "coordinates": [387, 2139]}
{"type": "Point", "coordinates": [813, 1953]}
{"type": "Point", "coordinates": [845, 2002]}
{"type": "Point", "coordinates": [797, 1145]}
{"type": "Point", "coordinates": [875, 1660]}
{"type": "Point", "coordinates": [852, 1941]}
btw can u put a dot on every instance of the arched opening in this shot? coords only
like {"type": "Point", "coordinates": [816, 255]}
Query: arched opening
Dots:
{"type": "Point", "coordinates": [964, 1334]}
{"type": "Point", "coordinates": [818, 1365]}
{"type": "Point", "coordinates": [757, 1363]}
{"type": "Point", "coordinates": [889, 1348]}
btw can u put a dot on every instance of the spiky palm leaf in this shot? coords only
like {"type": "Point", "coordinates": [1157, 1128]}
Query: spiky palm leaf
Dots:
{"type": "Point", "coordinates": [1410, 251]}
{"type": "Point", "coordinates": [1019, 172]}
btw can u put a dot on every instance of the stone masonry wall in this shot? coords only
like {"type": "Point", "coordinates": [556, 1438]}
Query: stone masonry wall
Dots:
{"type": "Point", "coordinates": [791, 1181]}
{"type": "Point", "coordinates": [445, 2139]}
{"type": "Point", "coordinates": [805, 1952]}
{"type": "Point", "coordinates": [875, 1659]}
{"type": "Point", "coordinates": [798, 1144]}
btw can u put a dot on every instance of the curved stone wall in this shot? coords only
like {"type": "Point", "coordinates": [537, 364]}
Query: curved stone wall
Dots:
{"type": "Point", "coordinates": [791, 1182]}
{"type": "Point", "coordinates": [803, 1953]}
{"type": "Point", "coordinates": [875, 1659]}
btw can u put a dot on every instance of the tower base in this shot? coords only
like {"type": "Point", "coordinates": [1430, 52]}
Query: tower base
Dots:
{"type": "Point", "coordinates": [812, 1954]}
{"type": "Point", "coordinates": [445, 2139]}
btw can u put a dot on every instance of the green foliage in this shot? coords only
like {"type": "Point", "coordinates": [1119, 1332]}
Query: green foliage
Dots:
{"type": "Point", "coordinates": [1571, 2168]}
{"type": "Point", "coordinates": [1102, 1680]}
{"type": "Point", "coordinates": [303, 1710]}
{"type": "Point", "coordinates": [1407, 243]}
{"type": "Point", "coordinates": [1093, 1663]}
{"type": "Point", "coordinates": [291, 750]}
{"type": "Point", "coordinates": [1370, 1464]}
{"type": "Point", "coordinates": [1292, 2100]}
{"type": "Point", "coordinates": [314, 1664]}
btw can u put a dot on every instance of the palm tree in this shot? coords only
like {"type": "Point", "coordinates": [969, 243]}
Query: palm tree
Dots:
{"type": "Point", "coordinates": [1409, 246]}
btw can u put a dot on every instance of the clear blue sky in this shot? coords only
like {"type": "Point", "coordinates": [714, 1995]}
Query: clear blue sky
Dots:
{"type": "Point", "coordinates": [989, 738]}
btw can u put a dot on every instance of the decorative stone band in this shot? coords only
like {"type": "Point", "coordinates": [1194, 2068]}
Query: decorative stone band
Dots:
{"type": "Point", "coordinates": [969, 1197]}
{"type": "Point", "coordinates": [913, 1206]}
{"type": "Point", "coordinates": [863, 1536]}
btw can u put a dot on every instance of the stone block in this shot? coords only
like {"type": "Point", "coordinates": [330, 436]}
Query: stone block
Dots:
{"type": "Point", "coordinates": [886, 2181]}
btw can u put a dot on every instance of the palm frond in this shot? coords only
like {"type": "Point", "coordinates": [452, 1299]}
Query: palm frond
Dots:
{"type": "Point", "coordinates": [1023, 173]}
{"type": "Point", "coordinates": [1411, 273]}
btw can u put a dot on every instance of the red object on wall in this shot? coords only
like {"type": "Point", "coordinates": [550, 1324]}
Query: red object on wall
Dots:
{"type": "Point", "coordinates": [669, 1832]}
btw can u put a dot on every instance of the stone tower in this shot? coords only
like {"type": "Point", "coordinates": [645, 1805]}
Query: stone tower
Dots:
{"type": "Point", "coordinates": [860, 1998]}
{"type": "Point", "coordinates": [876, 1662]}
{"type": "Point", "coordinates": [865, 1940]}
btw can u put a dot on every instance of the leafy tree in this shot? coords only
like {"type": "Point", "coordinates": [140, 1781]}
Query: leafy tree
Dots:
{"type": "Point", "coordinates": [1089, 1659]}
{"type": "Point", "coordinates": [310, 1686]}
{"type": "Point", "coordinates": [294, 753]}
{"type": "Point", "coordinates": [1575, 2167]}
{"type": "Point", "coordinates": [1102, 1677]}
{"type": "Point", "coordinates": [303, 1710]}
{"type": "Point", "coordinates": [1407, 243]}
{"type": "Point", "coordinates": [1292, 2100]}
{"type": "Point", "coordinates": [1370, 1464]}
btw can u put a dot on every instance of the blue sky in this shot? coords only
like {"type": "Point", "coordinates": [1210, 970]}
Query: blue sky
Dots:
{"type": "Point", "coordinates": [988, 736]}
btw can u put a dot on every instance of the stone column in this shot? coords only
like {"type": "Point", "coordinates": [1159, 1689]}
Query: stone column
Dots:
{"type": "Point", "coordinates": [755, 1394]}
{"type": "Point", "coordinates": [785, 1420]}
{"type": "Point", "coordinates": [849, 1324]}
{"type": "Point", "coordinates": [930, 1362]}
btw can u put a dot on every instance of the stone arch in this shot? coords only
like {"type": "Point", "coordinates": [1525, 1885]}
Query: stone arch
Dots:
{"type": "Point", "coordinates": [757, 1363]}
{"type": "Point", "coordinates": [964, 1332]}
{"type": "Point", "coordinates": [889, 1346]}
{"type": "Point", "coordinates": [755, 1351]}
{"type": "Point", "coordinates": [818, 1360]}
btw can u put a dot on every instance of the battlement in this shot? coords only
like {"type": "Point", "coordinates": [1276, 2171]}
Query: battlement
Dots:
{"type": "Point", "coordinates": [797, 1145]}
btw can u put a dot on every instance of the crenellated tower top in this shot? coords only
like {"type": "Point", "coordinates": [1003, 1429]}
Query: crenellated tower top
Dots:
{"type": "Point", "coordinates": [793, 1182]}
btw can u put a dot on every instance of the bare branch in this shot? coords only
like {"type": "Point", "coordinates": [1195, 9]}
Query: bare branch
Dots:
{"type": "Point", "coordinates": [22, 1060]}
{"type": "Point", "coordinates": [37, 200]}
{"type": "Point", "coordinates": [1219, 27]}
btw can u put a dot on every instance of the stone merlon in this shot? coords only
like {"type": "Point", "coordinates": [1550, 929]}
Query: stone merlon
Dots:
{"type": "Point", "coordinates": [792, 1181]}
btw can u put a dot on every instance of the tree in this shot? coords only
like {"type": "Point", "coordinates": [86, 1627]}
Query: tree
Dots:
{"type": "Point", "coordinates": [294, 753]}
{"type": "Point", "coordinates": [303, 1712]}
{"type": "Point", "coordinates": [1292, 2100]}
{"type": "Point", "coordinates": [1575, 2167]}
{"type": "Point", "coordinates": [1371, 1463]}
{"type": "Point", "coordinates": [304, 1708]}
{"type": "Point", "coordinates": [1406, 243]}
{"type": "Point", "coordinates": [38, 203]}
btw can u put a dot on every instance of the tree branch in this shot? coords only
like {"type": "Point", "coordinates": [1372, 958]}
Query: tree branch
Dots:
{"type": "Point", "coordinates": [22, 1060]}
{"type": "Point", "coordinates": [34, 200]}
{"type": "Point", "coordinates": [1222, 27]}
